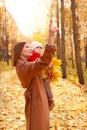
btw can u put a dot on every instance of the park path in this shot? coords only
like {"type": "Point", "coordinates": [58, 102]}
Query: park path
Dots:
{"type": "Point", "coordinates": [70, 112]}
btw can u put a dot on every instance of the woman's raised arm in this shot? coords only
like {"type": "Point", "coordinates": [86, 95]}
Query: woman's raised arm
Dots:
{"type": "Point", "coordinates": [52, 30]}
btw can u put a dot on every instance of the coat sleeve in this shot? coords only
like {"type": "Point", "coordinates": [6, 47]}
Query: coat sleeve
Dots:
{"type": "Point", "coordinates": [26, 70]}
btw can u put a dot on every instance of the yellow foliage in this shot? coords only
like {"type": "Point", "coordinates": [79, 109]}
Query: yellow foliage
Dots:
{"type": "Point", "coordinates": [56, 62]}
{"type": "Point", "coordinates": [55, 71]}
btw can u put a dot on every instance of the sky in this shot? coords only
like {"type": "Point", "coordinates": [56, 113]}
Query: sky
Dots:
{"type": "Point", "coordinates": [28, 14]}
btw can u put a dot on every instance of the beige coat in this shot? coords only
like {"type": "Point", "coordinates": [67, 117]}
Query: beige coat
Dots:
{"type": "Point", "coordinates": [36, 107]}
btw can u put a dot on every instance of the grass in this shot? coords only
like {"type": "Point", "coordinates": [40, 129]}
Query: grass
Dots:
{"type": "Point", "coordinates": [4, 66]}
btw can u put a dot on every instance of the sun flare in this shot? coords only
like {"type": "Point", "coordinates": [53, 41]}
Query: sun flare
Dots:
{"type": "Point", "coordinates": [28, 14]}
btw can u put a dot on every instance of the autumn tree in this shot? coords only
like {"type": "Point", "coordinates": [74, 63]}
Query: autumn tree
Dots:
{"type": "Point", "coordinates": [58, 33]}
{"type": "Point", "coordinates": [77, 42]}
{"type": "Point", "coordinates": [68, 36]}
{"type": "Point", "coordinates": [86, 52]}
{"type": "Point", "coordinates": [71, 44]}
{"type": "Point", "coordinates": [63, 40]}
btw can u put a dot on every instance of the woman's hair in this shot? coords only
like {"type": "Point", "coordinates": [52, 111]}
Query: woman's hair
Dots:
{"type": "Point", "coordinates": [16, 52]}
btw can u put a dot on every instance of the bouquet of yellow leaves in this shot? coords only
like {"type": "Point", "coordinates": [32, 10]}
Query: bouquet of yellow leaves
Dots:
{"type": "Point", "coordinates": [55, 71]}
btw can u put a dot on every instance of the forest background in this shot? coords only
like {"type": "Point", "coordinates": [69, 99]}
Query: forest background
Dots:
{"type": "Point", "coordinates": [71, 42]}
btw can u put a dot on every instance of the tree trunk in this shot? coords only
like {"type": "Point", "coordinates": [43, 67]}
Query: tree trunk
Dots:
{"type": "Point", "coordinates": [77, 44]}
{"type": "Point", "coordinates": [86, 53]}
{"type": "Point", "coordinates": [58, 34]}
{"type": "Point", "coordinates": [7, 55]}
{"type": "Point", "coordinates": [63, 40]}
{"type": "Point", "coordinates": [71, 44]}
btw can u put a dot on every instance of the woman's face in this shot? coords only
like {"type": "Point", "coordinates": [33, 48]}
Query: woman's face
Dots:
{"type": "Point", "coordinates": [26, 51]}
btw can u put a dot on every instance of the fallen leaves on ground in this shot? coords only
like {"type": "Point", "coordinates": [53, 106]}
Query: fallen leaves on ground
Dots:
{"type": "Point", "coordinates": [70, 112]}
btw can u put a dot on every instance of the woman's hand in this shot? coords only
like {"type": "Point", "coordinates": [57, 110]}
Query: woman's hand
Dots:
{"type": "Point", "coordinates": [50, 66]}
{"type": "Point", "coordinates": [52, 29]}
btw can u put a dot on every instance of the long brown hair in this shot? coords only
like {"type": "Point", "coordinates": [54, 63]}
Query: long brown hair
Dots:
{"type": "Point", "coordinates": [16, 52]}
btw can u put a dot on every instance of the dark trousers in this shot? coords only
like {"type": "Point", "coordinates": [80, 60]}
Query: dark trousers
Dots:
{"type": "Point", "coordinates": [47, 88]}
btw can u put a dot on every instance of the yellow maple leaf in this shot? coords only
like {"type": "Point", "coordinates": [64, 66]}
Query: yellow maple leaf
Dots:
{"type": "Point", "coordinates": [55, 71]}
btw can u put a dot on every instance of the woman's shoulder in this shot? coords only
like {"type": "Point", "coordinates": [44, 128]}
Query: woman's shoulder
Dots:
{"type": "Point", "coordinates": [21, 61]}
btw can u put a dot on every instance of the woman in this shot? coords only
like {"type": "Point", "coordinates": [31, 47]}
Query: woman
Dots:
{"type": "Point", "coordinates": [36, 107]}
